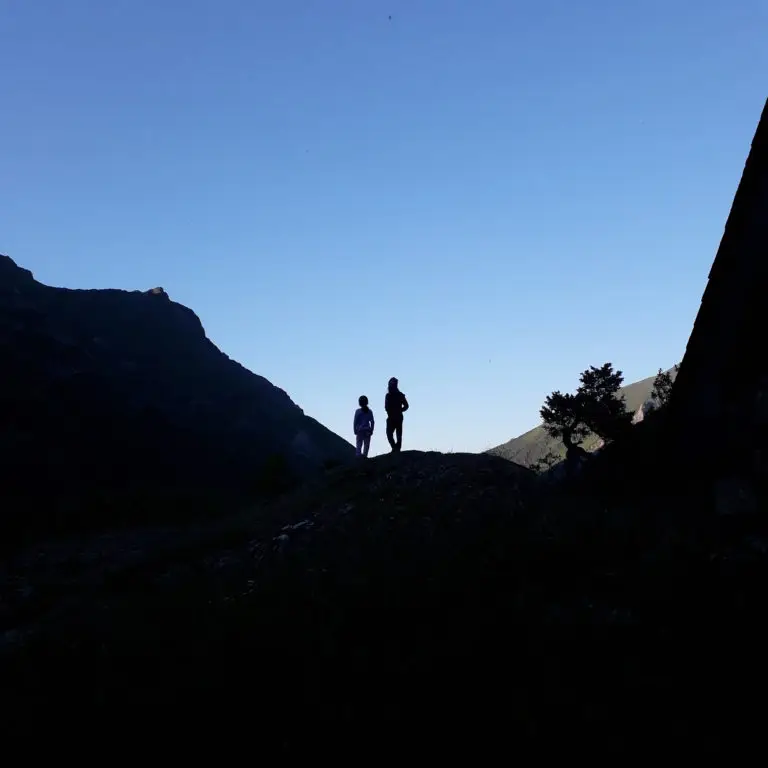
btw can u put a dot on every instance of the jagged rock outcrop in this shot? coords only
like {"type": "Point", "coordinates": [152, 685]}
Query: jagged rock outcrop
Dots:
{"type": "Point", "coordinates": [112, 398]}
{"type": "Point", "coordinates": [647, 407]}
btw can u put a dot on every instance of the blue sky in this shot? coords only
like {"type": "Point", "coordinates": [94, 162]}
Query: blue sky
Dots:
{"type": "Point", "coordinates": [480, 197]}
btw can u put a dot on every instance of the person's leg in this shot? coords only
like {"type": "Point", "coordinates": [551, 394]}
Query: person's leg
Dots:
{"type": "Point", "coordinates": [399, 435]}
{"type": "Point", "coordinates": [366, 444]}
{"type": "Point", "coordinates": [359, 442]}
{"type": "Point", "coordinates": [390, 430]}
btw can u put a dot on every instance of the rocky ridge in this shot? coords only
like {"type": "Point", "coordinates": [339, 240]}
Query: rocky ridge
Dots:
{"type": "Point", "coordinates": [116, 407]}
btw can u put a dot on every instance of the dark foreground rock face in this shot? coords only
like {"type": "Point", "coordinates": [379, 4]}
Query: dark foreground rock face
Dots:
{"type": "Point", "coordinates": [114, 406]}
{"type": "Point", "coordinates": [393, 525]}
{"type": "Point", "coordinates": [436, 597]}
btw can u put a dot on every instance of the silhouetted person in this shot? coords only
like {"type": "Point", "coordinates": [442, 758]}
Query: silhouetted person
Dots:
{"type": "Point", "coordinates": [395, 405]}
{"type": "Point", "coordinates": [363, 426]}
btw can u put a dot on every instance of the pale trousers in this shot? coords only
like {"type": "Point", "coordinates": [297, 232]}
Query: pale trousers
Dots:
{"type": "Point", "coordinates": [363, 443]}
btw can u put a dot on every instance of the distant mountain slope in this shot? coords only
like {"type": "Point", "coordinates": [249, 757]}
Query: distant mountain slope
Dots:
{"type": "Point", "coordinates": [535, 444]}
{"type": "Point", "coordinates": [113, 398]}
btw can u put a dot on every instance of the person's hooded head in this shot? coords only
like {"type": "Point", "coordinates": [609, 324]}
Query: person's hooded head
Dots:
{"type": "Point", "coordinates": [393, 384]}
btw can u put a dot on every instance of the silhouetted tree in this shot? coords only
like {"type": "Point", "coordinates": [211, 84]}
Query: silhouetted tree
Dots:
{"type": "Point", "coordinates": [605, 412]}
{"type": "Point", "coordinates": [563, 416]}
{"type": "Point", "coordinates": [595, 407]}
{"type": "Point", "coordinates": [662, 387]}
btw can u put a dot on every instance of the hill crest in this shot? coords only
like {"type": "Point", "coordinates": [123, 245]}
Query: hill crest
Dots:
{"type": "Point", "coordinates": [535, 444]}
{"type": "Point", "coordinates": [115, 396]}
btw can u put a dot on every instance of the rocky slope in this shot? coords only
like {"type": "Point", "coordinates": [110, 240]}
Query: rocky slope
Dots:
{"type": "Point", "coordinates": [532, 446]}
{"type": "Point", "coordinates": [420, 591]}
{"type": "Point", "coordinates": [115, 406]}
{"type": "Point", "coordinates": [362, 529]}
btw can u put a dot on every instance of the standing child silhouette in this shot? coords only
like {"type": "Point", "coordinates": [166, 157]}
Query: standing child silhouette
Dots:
{"type": "Point", "coordinates": [363, 426]}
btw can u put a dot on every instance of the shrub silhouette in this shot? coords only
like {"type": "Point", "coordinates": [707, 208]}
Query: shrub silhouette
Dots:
{"type": "Point", "coordinates": [595, 407]}
{"type": "Point", "coordinates": [662, 387]}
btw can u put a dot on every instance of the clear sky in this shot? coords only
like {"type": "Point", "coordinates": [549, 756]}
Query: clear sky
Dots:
{"type": "Point", "coordinates": [480, 197]}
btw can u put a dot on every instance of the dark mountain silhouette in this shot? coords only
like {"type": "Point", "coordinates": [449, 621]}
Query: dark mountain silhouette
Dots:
{"type": "Point", "coordinates": [116, 407]}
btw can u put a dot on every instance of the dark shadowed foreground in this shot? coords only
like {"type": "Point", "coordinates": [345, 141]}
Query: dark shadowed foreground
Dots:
{"type": "Point", "coordinates": [426, 588]}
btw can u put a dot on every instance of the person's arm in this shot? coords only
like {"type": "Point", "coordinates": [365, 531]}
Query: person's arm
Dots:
{"type": "Point", "coordinates": [354, 423]}
{"type": "Point", "coordinates": [373, 423]}
{"type": "Point", "coordinates": [405, 404]}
